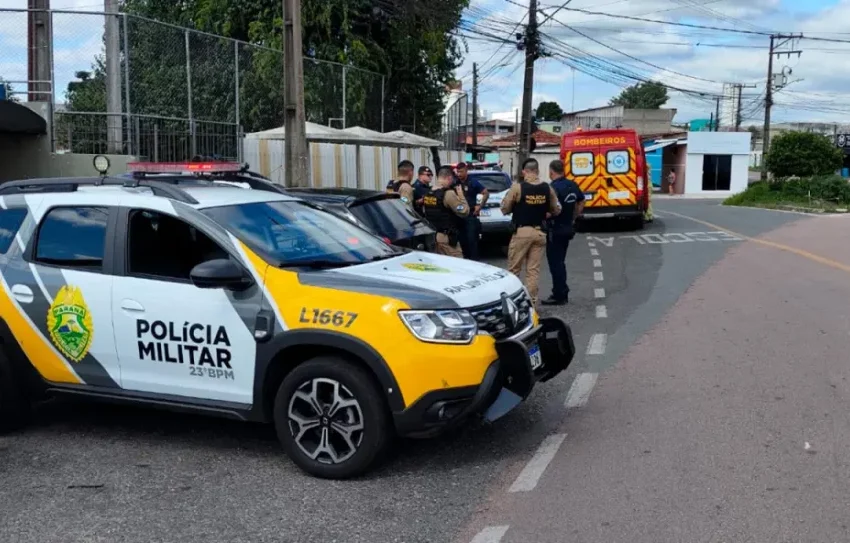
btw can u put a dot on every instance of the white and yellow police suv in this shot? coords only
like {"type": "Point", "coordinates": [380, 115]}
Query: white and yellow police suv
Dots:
{"type": "Point", "coordinates": [197, 296]}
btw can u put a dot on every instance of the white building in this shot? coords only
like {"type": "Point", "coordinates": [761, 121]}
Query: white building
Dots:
{"type": "Point", "coordinates": [717, 163]}
{"type": "Point", "coordinates": [729, 106]}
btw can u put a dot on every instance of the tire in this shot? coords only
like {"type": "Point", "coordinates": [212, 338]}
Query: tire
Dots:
{"type": "Point", "coordinates": [639, 222]}
{"type": "Point", "coordinates": [15, 408]}
{"type": "Point", "coordinates": [365, 409]}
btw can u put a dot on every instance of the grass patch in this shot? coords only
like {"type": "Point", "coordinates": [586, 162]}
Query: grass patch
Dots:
{"type": "Point", "coordinates": [828, 193]}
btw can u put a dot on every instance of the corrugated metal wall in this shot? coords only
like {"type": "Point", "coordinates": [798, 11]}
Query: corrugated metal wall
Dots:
{"type": "Point", "coordinates": [333, 165]}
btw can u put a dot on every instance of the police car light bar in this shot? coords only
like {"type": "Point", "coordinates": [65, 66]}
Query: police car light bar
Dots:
{"type": "Point", "coordinates": [182, 167]}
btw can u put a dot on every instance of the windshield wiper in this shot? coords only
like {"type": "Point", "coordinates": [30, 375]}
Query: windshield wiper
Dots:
{"type": "Point", "coordinates": [386, 257]}
{"type": "Point", "coordinates": [317, 264]}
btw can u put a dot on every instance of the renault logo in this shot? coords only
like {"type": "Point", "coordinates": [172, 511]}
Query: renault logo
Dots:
{"type": "Point", "coordinates": [510, 311]}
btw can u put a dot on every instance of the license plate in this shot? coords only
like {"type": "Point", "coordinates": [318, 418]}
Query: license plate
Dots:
{"type": "Point", "coordinates": [535, 356]}
{"type": "Point", "coordinates": [621, 195]}
{"type": "Point", "coordinates": [485, 212]}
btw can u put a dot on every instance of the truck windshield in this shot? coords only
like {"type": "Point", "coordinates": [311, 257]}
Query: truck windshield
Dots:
{"type": "Point", "coordinates": [295, 233]}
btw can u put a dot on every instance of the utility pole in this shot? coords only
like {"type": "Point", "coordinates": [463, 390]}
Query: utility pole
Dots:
{"type": "Point", "coordinates": [114, 124]}
{"type": "Point", "coordinates": [475, 104]}
{"type": "Point", "coordinates": [776, 41]}
{"type": "Point", "coordinates": [296, 164]}
{"type": "Point", "coordinates": [530, 46]}
{"type": "Point", "coordinates": [38, 51]}
{"type": "Point", "coordinates": [738, 118]}
{"type": "Point", "coordinates": [717, 115]}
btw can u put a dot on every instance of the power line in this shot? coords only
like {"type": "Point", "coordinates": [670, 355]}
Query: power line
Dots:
{"type": "Point", "coordinates": [657, 21]}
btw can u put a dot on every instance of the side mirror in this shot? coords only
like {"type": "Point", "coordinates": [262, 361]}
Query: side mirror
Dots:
{"type": "Point", "coordinates": [220, 273]}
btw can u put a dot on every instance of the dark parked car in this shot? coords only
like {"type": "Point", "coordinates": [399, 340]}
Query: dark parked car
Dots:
{"type": "Point", "coordinates": [382, 213]}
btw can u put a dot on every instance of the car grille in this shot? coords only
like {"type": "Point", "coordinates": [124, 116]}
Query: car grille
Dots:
{"type": "Point", "coordinates": [493, 321]}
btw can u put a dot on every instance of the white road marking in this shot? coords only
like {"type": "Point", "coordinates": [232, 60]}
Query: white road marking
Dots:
{"type": "Point", "coordinates": [597, 276]}
{"type": "Point", "coordinates": [597, 263]}
{"type": "Point", "coordinates": [594, 252]}
{"type": "Point", "coordinates": [599, 293]}
{"type": "Point", "coordinates": [591, 244]}
{"type": "Point", "coordinates": [601, 312]}
{"type": "Point", "coordinates": [579, 393]}
{"type": "Point", "coordinates": [597, 344]}
{"type": "Point", "coordinates": [490, 534]}
{"type": "Point", "coordinates": [527, 480]}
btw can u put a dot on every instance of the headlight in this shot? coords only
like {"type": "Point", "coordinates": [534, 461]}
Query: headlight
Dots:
{"type": "Point", "coordinates": [452, 326]}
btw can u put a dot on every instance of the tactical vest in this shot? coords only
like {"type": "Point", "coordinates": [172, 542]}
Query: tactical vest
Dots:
{"type": "Point", "coordinates": [533, 204]}
{"type": "Point", "coordinates": [434, 209]}
{"type": "Point", "coordinates": [397, 185]}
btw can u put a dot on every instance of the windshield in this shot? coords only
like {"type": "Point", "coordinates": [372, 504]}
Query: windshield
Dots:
{"type": "Point", "coordinates": [496, 182]}
{"type": "Point", "coordinates": [389, 217]}
{"type": "Point", "coordinates": [295, 233]}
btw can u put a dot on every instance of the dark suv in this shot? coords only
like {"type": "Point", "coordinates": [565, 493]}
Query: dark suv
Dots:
{"type": "Point", "coordinates": [375, 210]}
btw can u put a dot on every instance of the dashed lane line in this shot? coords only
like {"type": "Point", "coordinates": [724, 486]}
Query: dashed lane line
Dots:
{"type": "Point", "coordinates": [527, 480]}
{"type": "Point", "coordinates": [598, 293]}
{"type": "Point", "coordinates": [594, 252]}
{"type": "Point", "coordinates": [597, 344]}
{"type": "Point", "coordinates": [579, 392]}
{"type": "Point", "coordinates": [597, 276]}
{"type": "Point", "coordinates": [597, 263]}
{"type": "Point", "coordinates": [601, 312]}
{"type": "Point", "coordinates": [490, 534]}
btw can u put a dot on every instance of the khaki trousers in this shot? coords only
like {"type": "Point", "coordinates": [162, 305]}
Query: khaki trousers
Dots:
{"type": "Point", "coordinates": [443, 247]}
{"type": "Point", "coordinates": [527, 248]}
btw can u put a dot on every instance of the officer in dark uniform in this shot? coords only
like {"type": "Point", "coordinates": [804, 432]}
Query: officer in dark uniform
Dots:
{"type": "Point", "coordinates": [561, 231]}
{"type": "Point", "coordinates": [402, 183]}
{"type": "Point", "coordinates": [421, 187]}
{"type": "Point", "coordinates": [446, 209]}
{"type": "Point", "coordinates": [529, 201]}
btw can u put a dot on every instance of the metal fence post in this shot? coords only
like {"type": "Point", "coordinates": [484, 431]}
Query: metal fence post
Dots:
{"type": "Point", "coordinates": [344, 72]}
{"type": "Point", "coordinates": [236, 90]}
{"type": "Point", "coordinates": [132, 132]}
{"type": "Point", "coordinates": [383, 102]}
{"type": "Point", "coordinates": [51, 105]}
{"type": "Point", "coordinates": [192, 143]}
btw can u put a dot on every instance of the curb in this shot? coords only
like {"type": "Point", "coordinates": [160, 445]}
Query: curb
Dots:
{"type": "Point", "coordinates": [796, 210]}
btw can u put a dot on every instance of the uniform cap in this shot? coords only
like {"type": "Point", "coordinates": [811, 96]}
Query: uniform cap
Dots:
{"type": "Point", "coordinates": [425, 169]}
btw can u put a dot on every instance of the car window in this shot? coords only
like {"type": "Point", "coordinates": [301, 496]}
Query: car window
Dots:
{"type": "Point", "coordinates": [582, 163]}
{"type": "Point", "coordinates": [617, 162]}
{"type": "Point", "coordinates": [73, 237]}
{"type": "Point", "coordinates": [386, 217]}
{"type": "Point", "coordinates": [10, 222]}
{"type": "Point", "coordinates": [294, 232]}
{"type": "Point", "coordinates": [493, 182]}
{"type": "Point", "coordinates": [163, 247]}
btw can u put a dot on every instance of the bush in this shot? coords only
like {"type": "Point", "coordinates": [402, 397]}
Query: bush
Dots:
{"type": "Point", "coordinates": [803, 154]}
{"type": "Point", "coordinates": [810, 191]}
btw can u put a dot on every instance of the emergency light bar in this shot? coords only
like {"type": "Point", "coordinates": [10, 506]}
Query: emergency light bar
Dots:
{"type": "Point", "coordinates": [183, 167]}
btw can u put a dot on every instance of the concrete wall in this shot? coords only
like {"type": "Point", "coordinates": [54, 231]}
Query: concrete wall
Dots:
{"type": "Point", "coordinates": [649, 121]}
{"type": "Point", "coordinates": [739, 181]}
{"type": "Point", "coordinates": [645, 121]}
{"type": "Point", "coordinates": [27, 157]}
{"type": "Point", "coordinates": [736, 144]}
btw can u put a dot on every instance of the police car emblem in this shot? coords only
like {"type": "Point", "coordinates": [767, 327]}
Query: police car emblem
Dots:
{"type": "Point", "coordinates": [69, 323]}
{"type": "Point", "coordinates": [424, 267]}
{"type": "Point", "coordinates": [404, 199]}
{"type": "Point", "coordinates": [460, 207]}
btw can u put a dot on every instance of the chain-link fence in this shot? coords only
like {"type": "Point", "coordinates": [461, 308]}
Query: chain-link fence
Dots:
{"type": "Point", "coordinates": [130, 85]}
{"type": "Point", "coordinates": [457, 123]}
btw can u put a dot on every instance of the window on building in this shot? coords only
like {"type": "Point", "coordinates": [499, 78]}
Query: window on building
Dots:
{"type": "Point", "coordinates": [717, 172]}
{"type": "Point", "coordinates": [73, 237]}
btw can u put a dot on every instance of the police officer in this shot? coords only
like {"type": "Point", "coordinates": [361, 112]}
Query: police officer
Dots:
{"type": "Point", "coordinates": [561, 231]}
{"type": "Point", "coordinates": [402, 183]}
{"type": "Point", "coordinates": [529, 201]}
{"type": "Point", "coordinates": [421, 187]}
{"type": "Point", "coordinates": [446, 209]}
{"type": "Point", "coordinates": [472, 226]}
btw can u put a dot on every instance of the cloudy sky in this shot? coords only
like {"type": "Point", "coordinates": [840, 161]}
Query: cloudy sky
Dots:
{"type": "Point", "coordinates": [691, 59]}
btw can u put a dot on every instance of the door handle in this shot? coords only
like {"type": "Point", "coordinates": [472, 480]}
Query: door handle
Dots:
{"type": "Point", "coordinates": [23, 294]}
{"type": "Point", "coordinates": [610, 181]}
{"type": "Point", "coordinates": [131, 305]}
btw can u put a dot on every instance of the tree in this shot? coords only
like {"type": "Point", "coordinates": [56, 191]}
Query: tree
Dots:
{"type": "Point", "coordinates": [549, 111]}
{"type": "Point", "coordinates": [649, 95]}
{"type": "Point", "coordinates": [355, 34]}
{"type": "Point", "coordinates": [6, 91]}
{"type": "Point", "coordinates": [803, 154]}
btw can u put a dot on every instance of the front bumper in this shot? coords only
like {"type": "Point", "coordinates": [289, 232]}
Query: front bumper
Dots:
{"type": "Point", "coordinates": [507, 381]}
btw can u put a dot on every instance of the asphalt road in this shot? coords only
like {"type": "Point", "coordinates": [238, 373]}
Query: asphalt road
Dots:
{"type": "Point", "coordinates": [706, 362]}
